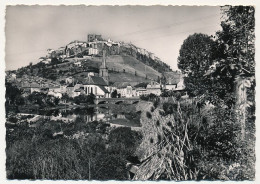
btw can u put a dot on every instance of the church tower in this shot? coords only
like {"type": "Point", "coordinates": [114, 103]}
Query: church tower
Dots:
{"type": "Point", "coordinates": [103, 71]}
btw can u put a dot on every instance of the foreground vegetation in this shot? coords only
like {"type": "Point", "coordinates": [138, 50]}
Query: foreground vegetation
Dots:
{"type": "Point", "coordinates": [194, 141]}
{"type": "Point", "coordinates": [210, 135]}
{"type": "Point", "coordinates": [79, 150]}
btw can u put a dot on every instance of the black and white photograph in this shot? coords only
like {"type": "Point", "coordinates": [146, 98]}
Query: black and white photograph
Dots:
{"type": "Point", "coordinates": [129, 92]}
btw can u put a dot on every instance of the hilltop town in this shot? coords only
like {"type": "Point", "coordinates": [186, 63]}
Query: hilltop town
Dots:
{"type": "Point", "coordinates": [97, 66]}
{"type": "Point", "coordinates": [100, 109]}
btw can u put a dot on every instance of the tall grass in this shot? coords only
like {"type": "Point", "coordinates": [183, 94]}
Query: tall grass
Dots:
{"type": "Point", "coordinates": [186, 140]}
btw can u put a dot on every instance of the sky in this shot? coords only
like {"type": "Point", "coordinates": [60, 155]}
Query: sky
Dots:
{"type": "Point", "coordinates": [31, 30]}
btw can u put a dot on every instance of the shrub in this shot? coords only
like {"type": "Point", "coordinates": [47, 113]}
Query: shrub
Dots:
{"type": "Point", "coordinates": [149, 115]}
{"type": "Point", "coordinates": [13, 119]}
{"type": "Point", "coordinates": [169, 108]}
{"type": "Point", "coordinates": [124, 140]}
{"type": "Point", "coordinates": [149, 97]}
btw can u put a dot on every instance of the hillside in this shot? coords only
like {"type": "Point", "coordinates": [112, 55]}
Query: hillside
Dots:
{"type": "Point", "coordinates": [123, 68]}
{"type": "Point", "coordinates": [126, 77]}
{"type": "Point", "coordinates": [132, 65]}
{"type": "Point", "coordinates": [125, 62]}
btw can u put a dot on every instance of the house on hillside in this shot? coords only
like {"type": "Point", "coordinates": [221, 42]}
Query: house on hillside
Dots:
{"type": "Point", "coordinates": [55, 94]}
{"type": "Point", "coordinates": [79, 91]}
{"type": "Point", "coordinates": [141, 51]}
{"type": "Point", "coordinates": [41, 59]}
{"type": "Point", "coordinates": [69, 80]}
{"type": "Point", "coordinates": [35, 87]}
{"type": "Point", "coordinates": [180, 85]}
{"type": "Point", "coordinates": [111, 89]}
{"type": "Point", "coordinates": [97, 86]}
{"type": "Point", "coordinates": [154, 88]}
{"type": "Point", "coordinates": [30, 87]}
{"type": "Point", "coordinates": [54, 88]}
{"type": "Point", "coordinates": [114, 49]}
{"type": "Point", "coordinates": [11, 77]}
{"type": "Point", "coordinates": [78, 64]}
{"type": "Point", "coordinates": [125, 49]}
{"type": "Point", "coordinates": [171, 84]}
{"type": "Point", "coordinates": [63, 89]}
{"type": "Point", "coordinates": [100, 46]}
{"type": "Point", "coordinates": [74, 90]}
{"type": "Point", "coordinates": [170, 87]}
{"type": "Point", "coordinates": [46, 61]}
{"type": "Point", "coordinates": [70, 90]}
{"type": "Point", "coordinates": [92, 48]}
{"type": "Point", "coordinates": [49, 52]}
{"type": "Point", "coordinates": [174, 80]}
{"type": "Point", "coordinates": [141, 91]}
{"type": "Point", "coordinates": [151, 55]}
{"type": "Point", "coordinates": [93, 37]}
{"type": "Point", "coordinates": [126, 91]}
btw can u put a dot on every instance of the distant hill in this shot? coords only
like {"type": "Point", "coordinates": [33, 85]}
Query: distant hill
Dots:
{"type": "Point", "coordinates": [125, 62]}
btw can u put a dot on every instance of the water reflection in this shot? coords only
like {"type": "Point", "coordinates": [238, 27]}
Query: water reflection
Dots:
{"type": "Point", "coordinates": [88, 114]}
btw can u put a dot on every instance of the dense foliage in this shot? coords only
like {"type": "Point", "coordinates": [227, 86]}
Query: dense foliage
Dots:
{"type": "Point", "coordinates": [79, 150]}
{"type": "Point", "coordinates": [13, 95]}
{"type": "Point", "coordinates": [88, 99]}
{"type": "Point", "coordinates": [193, 141]}
{"type": "Point", "coordinates": [213, 66]}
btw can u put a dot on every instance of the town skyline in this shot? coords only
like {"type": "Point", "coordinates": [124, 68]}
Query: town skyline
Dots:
{"type": "Point", "coordinates": [168, 30]}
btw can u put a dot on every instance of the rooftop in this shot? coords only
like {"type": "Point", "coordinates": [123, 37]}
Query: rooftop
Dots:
{"type": "Point", "coordinates": [95, 80]}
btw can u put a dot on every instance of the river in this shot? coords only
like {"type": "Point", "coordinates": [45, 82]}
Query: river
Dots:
{"type": "Point", "coordinates": [90, 114]}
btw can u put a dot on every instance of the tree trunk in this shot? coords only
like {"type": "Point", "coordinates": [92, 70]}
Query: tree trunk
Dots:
{"type": "Point", "coordinates": [241, 102]}
{"type": "Point", "coordinates": [89, 173]}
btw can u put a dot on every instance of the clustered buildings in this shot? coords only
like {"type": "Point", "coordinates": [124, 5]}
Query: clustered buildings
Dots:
{"type": "Point", "coordinates": [94, 83]}
{"type": "Point", "coordinates": [94, 46]}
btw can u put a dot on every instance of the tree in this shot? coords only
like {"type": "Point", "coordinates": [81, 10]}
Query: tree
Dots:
{"type": "Point", "coordinates": [114, 94]}
{"type": "Point", "coordinates": [223, 71]}
{"type": "Point", "coordinates": [65, 97]}
{"type": "Point", "coordinates": [196, 56]}
{"type": "Point", "coordinates": [158, 79]}
{"type": "Point", "coordinates": [123, 140]}
{"type": "Point", "coordinates": [62, 82]}
{"type": "Point", "coordinates": [91, 98]}
{"type": "Point", "coordinates": [19, 100]}
{"type": "Point", "coordinates": [54, 61]}
{"type": "Point", "coordinates": [236, 64]}
{"type": "Point", "coordinates": [141, 85]}
{"type": "Point", "coordinates": [56, 101]}
{"type": "Point", "coordinates": [38, 98]}
{"type": "Point", "coordinates": [12, 94]}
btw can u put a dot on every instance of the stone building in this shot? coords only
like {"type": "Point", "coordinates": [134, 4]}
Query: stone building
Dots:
{"type": "Point", "coordinates": [103, 70]}
{"type": "Point", "coordinates": [93, 37]}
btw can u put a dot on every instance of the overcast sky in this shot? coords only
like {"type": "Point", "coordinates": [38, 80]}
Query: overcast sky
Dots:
{"type": "Point", "coordinates": [31, 30]}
